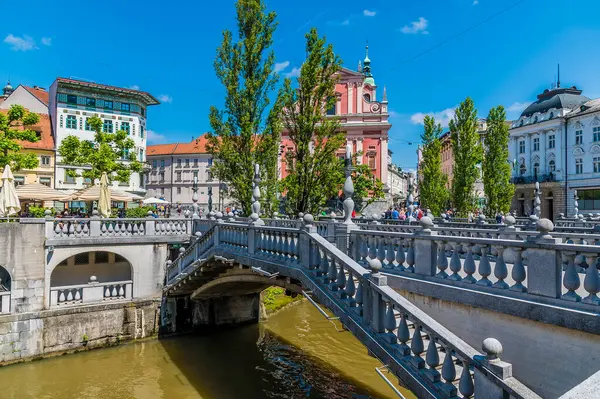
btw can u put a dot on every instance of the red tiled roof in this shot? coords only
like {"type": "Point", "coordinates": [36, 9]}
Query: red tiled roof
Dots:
{"type": "Point", "coordinates": [44, 126]}
{"type": "Point", "coordinates": [149, 98]}
{"type": "Point", "coordinates": [196, 146]}
{"type": "Point", "coordinates": [40, 94]}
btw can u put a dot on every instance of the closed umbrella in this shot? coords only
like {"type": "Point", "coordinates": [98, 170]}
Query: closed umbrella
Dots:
{"type": "Point", "coordinates": [104, 200]}
{"type": "Point", "coordinates": [9, 201]}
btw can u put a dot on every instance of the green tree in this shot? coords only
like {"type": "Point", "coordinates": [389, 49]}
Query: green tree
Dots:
{"type": "Point", "coordinates": [496, 168]}
{"type": "Point", "coordinates": [241, 135]}
{"type": "Point", "coordinates": [313, 166]}
{"type": "Point", "coordinates": [467, 153]}
{"type": "Point", "coordinates": [14, 129]}
{"type": "Point", "coordinates": [109, 152]}
{"type": "Point", "coordinates": [433, 192]}
{"type": "Point", "coordinates": [367, 187]}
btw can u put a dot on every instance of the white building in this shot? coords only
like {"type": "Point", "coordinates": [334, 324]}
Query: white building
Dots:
{"type": "Point", "coordinates": [542, 148]}
{"type": "Point", "coordinates": [35, 98]}
{"type": "Point", "coordinates": [73, 101]}
{"type": "Point", "coordinates": [397, 181]}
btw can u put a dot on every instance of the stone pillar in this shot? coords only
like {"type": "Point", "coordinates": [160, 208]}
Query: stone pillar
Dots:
{"type": "Point", "coordinates": [95, 227]}
{"type": "Point", "coordinates": [377, 303]}
{"type": "Point", "coordinates": [150, 228]}
{"type": "Point", "coordinates": [6, 303]}
{"type": "Point", "coordinates": [304, 250]}
{"type": "Point", "coordinates": [350, 98]}
{"type": "Point", "coordinates": [544, 273]}
{"type": "Point", "coordinates": [425, 250]}
{"type": "Point", "coordinates": [384, 154]}
{"type": "Point", "coordinates": [49, 228]}
{"type": "Point", "coordinates": [484, 386]}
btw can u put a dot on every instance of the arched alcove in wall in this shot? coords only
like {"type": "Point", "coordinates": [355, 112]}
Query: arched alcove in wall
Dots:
{"type": "Point", "coordinates": [77, 269]}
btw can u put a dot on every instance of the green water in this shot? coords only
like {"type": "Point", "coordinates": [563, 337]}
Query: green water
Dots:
{"type": "Point", "coordinates": [296, 354]}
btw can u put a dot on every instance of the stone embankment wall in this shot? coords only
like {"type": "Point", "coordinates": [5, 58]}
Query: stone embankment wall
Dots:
{"type": "Point", "coordinates": [549, 359]}
{"type": "Point", "coordinates": [38, 334]}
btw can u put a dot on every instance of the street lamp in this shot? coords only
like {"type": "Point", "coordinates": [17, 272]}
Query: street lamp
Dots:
{"type": "Point", "coordinates": [209, 198]}
{"type": "Point", "coordinates": [195, 198]}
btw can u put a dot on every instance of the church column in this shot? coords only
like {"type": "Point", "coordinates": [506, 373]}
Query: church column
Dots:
{"type": "Point", "coordinates": [338, 105]}
{"type": "Point", "coordinates": [350, 97]}
{"type": "Point", "coordinates": [384, 155]}
{"type": "Point", "coordinates": [359, 99]}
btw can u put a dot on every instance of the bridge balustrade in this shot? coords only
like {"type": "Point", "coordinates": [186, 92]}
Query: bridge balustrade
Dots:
{"type": "Point", "coordinates": [93, 292]}
{"type": "Point", "coordinates": [67, 228]}
{"type": "Point", "coordinates": [429, 358]}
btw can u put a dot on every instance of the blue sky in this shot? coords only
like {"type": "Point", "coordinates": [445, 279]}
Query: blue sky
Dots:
{"type": "Point", "coordinates": [168, 50]}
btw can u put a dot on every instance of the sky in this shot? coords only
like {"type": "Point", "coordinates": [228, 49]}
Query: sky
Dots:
{"type": "Point", "coordinates": [430, 54]}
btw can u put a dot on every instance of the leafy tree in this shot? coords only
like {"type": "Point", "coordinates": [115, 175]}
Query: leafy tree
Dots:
{"type": "Point", "coordinates": [433, 192]}
{"type": "Point", "coordinates": [241, 135]}
{"type": "Point", "coordinates": [367, 187]}
{"type": "Point", "coordinates": [496, 168]}
{"type": "Point", "coordinates": [14, 128]}
{"type": "Point", "coordinates": [109, 152]}
{"type": "Point", "coordinates": [313, 166]}
{"type": "Point", "coordinates": [467, 153]}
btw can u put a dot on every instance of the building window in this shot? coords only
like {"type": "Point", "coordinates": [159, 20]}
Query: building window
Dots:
{"type": "Point", "coordinates": [45, 160]}
{"type": "Point", "coordinates": [125, 127]}
{"type": "Point", "coordinates": [522, 170]}
{"type": "Point", "coordinates": [372, 162]}
{"type": "Point", "coordinates": [162, 191]}
{"type": "Point", "coordinates": [141, 131]}
{"type": "Point", "coordinates": [71, 99]}
{"type": "Point", "coordinates": [551, 141]}
{"type": "Point", "coordinates": [179, 163]}
{"type": "Point", "coordinates": [125, 107]}
{"type": "Point", "coordinates": [536, 170]}
{"type": "Point", "coordinates": [578, 166]}
{"type": "Point", "coordinates": [331, 110]}
{"type": "Point", "coordinates": [154, 164]}
{"type": "Point", "coordinates": [195, 162]}
{"type": "Point", "coordinates": [579, 137]}
{"type": "Point", "coordinates": [162, 176]}
{"type": "Point", "coordinates": [522, 147]}
{"type": "Point", "coordinates": [90, 102]}
{"type": "Point", "coordinates": [162, 163]}
{"type": "Point", "coordinates": [71, 122]}
{"type": "Point", "coordinates": [108, 104]}
{"type": "Point", "coordinates": [19, 181]}
{"type": "Point", "coordinates": [589, 199]}
{"type": "Point", "coordinates": [597, 165]}
{"type": "Point", "coordinates": [596, 134]}
{"type": "Point", "coordinates": [87, 125]}
{"type": "Point", "coordinates": [178, 176]}
{"type": "Point", "coordinates": [107, 126]}
{"type": "Point", "coordinates": [178, 190]}
{"type": "Point", "coordinates": [187, 163]}
{"type": "Point", "coordinates": [133, 129]}
{"type": "Point", "coordinates": [536, 144]}
{"type": "Point", "coordinates": [69, 179]}
{"type": "Point", "coordinates": [46, 181]}
{"type": "Point", "coordinates": [208, 176]}
{"type": "Point", "coordinates": [209, 161]}
{"type": "Point", "coordinates": [367, 97]}
{"type": "Point", "coordinates": [552, 166]}
{"type": "Point", "coordinates": [141, 155]}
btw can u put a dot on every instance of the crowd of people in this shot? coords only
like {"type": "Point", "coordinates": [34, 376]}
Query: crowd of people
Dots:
{"type": "Point", "coordinates": [400, 213]}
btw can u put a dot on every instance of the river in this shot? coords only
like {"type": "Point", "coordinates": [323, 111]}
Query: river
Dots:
{"type": "Point", "coordinates": [295, 354]}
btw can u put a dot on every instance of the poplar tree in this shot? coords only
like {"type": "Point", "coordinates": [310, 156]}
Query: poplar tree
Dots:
{"type": "Point", "coordinates": [314, 174]}
{"type": "Point", "coordinates": [496, 168]}
{"type": "Point", "coordinates": [433, 193]}
{"type": "Point", "coordinates": [15, 127]}
{"type": "Point", "coordinates": [467, 153]}
{"type": "Point", "coordinates": [241, 134]}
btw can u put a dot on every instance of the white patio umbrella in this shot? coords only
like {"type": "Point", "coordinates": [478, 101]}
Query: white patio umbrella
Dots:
{"type": "Point", "coordinates": [9, 201]}
{"type": "Point", "coordinates": [154, 200]}
{"type": "Point", "coordinates": [40, 192]}
{"type": "Point", "coordinates": [104, 200]}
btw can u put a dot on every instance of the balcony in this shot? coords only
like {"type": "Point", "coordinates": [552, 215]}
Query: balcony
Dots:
{"type": "Point", "coordinates": [547, 178]}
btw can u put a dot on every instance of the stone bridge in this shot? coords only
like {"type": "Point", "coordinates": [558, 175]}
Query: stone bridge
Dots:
{"type": "Point", "coordinates": [380, 285]}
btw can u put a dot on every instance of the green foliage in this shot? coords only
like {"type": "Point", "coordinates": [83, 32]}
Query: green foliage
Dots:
{"type": "Point", "coordinates": [274, 298]}
{"type": "Point", "coordinates": [496, 168]}
{"type": "Point", "coordinates": [367, 188]}
{"type": "Point", "coordinates": [241, 135]}
{"type": "Point", "coordinates": [109, 152]}
{"type": "Point", "coordinates": [14, 128]}
{"type": "Point", "coordinates": [313, 166]}
{"type": "Point", "coordinates": [467, 153]}
{"type": "Point", "coordinates": [85, 338]}
{"type": "Point", "coordinates": [139, 212]}
{"type": "Point", "coordinates": [39, 211]}
{"type": "Point", "coordinates": [433, 192]}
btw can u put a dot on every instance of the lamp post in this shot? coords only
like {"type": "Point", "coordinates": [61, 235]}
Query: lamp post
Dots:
{"type": "Point", "coordinates": [209, 199]}
{"type": "Point", "coordinates": [195, 198]}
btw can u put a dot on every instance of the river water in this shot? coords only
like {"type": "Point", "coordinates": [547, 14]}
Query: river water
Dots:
{"type": "Point", "coordinates": [295, 354]}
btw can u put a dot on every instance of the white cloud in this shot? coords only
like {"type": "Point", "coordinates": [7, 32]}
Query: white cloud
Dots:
{"type": "Point", "coordinates": [47, 41]}
{"type": "Point", "coordinates": [442, 117]}
{"type": "Point", "coordinates": [369, 13]}
{"type": "Point", "coordinates": [155, 138]}
{"type": "Point", "coordinates": [165, 98]}
{"type": "Point", "coordinates": [294, 73]}
{"type": "Point", "coordinates": [345, 22]}
{"type": "Point", "coordinates": [134, 87]}
{"type": "Point", "coordinates": [475, 2]}
{"type": "Point", "coordinates": [517, 107]}
{"type": "Point", "coordinates": [393, 114]}
{"type": "Point", "coordinates": [18, 43]}
{"type": "Point", "coordinates": [280, 66]}
{"type": "Point", "coordinates": [415, 27]}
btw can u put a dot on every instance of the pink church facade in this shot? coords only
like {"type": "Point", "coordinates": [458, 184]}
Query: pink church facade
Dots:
{"type": "Point", "coordinates": [363, 117]}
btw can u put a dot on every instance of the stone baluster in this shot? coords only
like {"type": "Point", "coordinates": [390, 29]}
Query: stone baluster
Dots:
{"type": "Point", "coordinates": [432, 359]}
{"type": "Point", "coordinates": [442, 260]}
{"type": "Point", "coordinates": [571, 278]}
{"type": "Point", "coordinates": [350, 290]}
{"type": "Point", "coordinates": [348, 188]}
{"type": "Point", "coordinates": [469, 266]}
{"type": "Point", "coordinates": [465, 385]}
{"type": "Point", "coordinates": [518, 272]}
{"type": "Point", "coordinates": [332, 275]}
{"type": "Point", "coordinates": [359, 298]}
{"type": "Point", "coordinates": [500, 269]}
{"type": "Point", "coordinates": [381, 245]}
{"type": "Point", "coordinates": [485, 269]}
{"type": "Point", "coordinates": [389, 253]}
{"type": "Point", "coordinates": [403, 335]}
{"type": "Point", "coordinates": [400, 256]}
{"type": "Point", "coordinates": [449, 372]}
{"type": "Point", "coordinates": [341, 281]}
{"type": "Point", "coordinates": [417, 348]}
{"type": "Point", "coordinates": [410, 256]}
{"type": "Point", "coordinates": [591, 283]}
{"type": "Point", "coordinates": [455, 263]}
{"type": "Point", "coordinates": [372, 243]}
{"type": "Point", "coordinates": [389, 323]}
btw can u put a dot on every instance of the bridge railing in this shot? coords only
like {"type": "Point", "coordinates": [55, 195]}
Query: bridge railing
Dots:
{"type": "Point", "coordinates": [115, 227]}
{"type": "Point", "coordinates": [92, 292]}
{"type": "Point", "coordinates": [410, 342]}
{"type": "Point", "coordinates": [4, 302]}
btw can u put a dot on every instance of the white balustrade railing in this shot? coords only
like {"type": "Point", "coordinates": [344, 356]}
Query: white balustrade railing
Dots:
{"type": "Point", "coordinates": [4, 302]}
{"type": "Point", "coordinates": [116, 227]}
{"type": "Point", "coordinates": [92, 292]}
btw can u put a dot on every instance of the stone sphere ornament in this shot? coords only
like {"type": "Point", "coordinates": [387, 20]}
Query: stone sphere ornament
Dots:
{"type": "Point", "coordinates": [492, 347]}
{"type": "Point", "coordinates": [375, 265]}
{"type": "Point", "coordinates": [308, 219]}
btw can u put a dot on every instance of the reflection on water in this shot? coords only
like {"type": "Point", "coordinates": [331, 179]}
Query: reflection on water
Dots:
{"type": "Point", "coordinates": [296, 354]}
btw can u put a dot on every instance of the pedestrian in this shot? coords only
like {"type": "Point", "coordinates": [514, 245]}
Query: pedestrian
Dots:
{"type": "Point", "coordinates": [395, 214]}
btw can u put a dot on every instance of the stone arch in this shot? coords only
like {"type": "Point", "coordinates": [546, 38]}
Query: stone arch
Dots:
{"type": "Point", "coordinates": [79, 268]}
{"type": "Point", "coordinates": [243, 283]}
{"type": "Point", "coordinates": [5, 280]}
